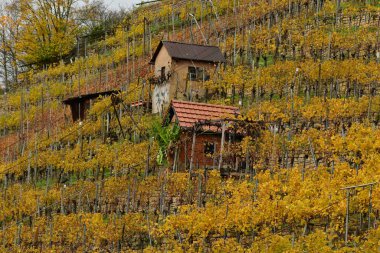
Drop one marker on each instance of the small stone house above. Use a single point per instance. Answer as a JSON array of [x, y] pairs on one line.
[[180, 72], [208, 137]]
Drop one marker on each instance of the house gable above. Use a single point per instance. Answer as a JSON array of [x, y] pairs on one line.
[[163, 59]]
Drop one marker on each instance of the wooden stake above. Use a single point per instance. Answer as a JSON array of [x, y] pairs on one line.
[[199, 190], [62, 205], [84, 237], [148, 159], [192, 150], [370, 206], [347, 215], [175, 159], [222, 146]]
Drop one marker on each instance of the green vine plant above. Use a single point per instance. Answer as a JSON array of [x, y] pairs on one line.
[[165, 136]]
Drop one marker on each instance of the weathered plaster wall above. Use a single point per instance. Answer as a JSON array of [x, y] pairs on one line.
[[177, 86], [183, 89], [160, 96]]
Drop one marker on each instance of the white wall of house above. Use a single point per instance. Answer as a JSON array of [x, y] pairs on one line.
[[161, 97], [161, 92]]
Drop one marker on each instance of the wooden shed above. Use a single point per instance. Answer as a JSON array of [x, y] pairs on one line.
[[79, 105], [193, 119]]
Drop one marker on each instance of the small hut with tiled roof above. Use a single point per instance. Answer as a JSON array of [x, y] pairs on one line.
[[196, 121]]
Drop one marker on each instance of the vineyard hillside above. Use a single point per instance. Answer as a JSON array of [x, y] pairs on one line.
[[190, 126]]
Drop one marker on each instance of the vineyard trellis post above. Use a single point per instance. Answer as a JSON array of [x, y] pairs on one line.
[[173, 35], [192, 149], [114, 101], [148, 157], [347, 215], [348, 193], [222, 146], [370, 206]]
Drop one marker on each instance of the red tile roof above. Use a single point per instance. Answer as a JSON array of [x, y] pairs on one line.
[[189, 113], [138, 103]]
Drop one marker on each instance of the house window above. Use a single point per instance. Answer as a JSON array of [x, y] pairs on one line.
[[197, 74], [163, 73], [192, 73], [209, 148]]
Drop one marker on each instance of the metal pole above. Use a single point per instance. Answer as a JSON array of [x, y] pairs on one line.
[[347, 215]]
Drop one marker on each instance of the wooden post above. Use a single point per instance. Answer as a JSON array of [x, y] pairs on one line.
[[199, 190], [38, 207], [127, 204], [95, 209], [347, 215], [51, 233], [348, 203], [118, 120], [128, 76], [47, 180], [18, 234], [148, 159], [173, 32], [62, 204], [29, 168], [134, 57], [107, 123], [175, 159], [370, 206], [149, 233], [186, 153], [79, 72], [193, 149], [303, 168], [144, 40], [312, 153], [84, 237], [5, 64], [222, 146], [214, 157], [247, 161]]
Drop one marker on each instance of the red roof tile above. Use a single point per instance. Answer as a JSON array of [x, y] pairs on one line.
[[189, 113], [138, 103]]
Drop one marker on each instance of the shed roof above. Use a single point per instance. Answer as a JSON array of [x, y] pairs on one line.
[[195, 52], [84, 97], [188, 113]]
